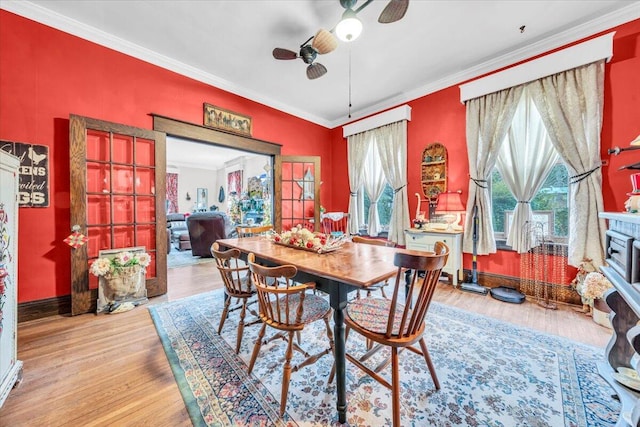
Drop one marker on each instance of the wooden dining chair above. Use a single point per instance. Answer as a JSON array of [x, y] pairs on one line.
[[244, 231], [237, 284], [335, 226], [285, 306], [390, 323], [376, 242]]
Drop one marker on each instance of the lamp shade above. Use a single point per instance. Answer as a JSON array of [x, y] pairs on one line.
[[324, 42], [448, 202], [349, 28]]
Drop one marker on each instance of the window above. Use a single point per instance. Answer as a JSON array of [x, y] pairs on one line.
[[550, 205], [385, 205], [529, 170]]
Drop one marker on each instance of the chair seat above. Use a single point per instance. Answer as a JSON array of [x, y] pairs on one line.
[[372, 314], [247, 286], [315, 307]]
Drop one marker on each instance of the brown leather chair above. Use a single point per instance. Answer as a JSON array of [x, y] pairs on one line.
[[204, 229]]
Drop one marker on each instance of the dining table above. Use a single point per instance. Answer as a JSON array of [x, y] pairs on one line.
[[337, 273]]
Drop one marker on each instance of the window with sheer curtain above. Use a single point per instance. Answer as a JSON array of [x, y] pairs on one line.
[[378, 167], [529, 173]]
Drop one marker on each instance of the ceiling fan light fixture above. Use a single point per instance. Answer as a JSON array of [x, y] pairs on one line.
[[349, 27], [324, 42]]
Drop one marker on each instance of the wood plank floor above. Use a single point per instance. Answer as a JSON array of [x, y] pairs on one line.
[[111, 370]]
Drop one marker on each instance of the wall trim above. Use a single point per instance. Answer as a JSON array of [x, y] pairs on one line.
[[557, 62], [602, 23], [391, 116]]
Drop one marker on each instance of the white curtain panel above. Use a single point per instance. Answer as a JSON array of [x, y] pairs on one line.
[[357, 147], [488, 119], [570, 104], [392, 148], [374, 184], [524, 161]]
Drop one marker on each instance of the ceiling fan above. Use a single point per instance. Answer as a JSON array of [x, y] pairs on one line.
[[348, 29]]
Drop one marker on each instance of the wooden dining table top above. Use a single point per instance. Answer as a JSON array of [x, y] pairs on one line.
[[359, 265]]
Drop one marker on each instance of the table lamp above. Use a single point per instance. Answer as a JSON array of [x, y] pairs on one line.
[[450, 206]]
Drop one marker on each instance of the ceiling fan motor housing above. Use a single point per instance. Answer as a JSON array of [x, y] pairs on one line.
[[308, 54]]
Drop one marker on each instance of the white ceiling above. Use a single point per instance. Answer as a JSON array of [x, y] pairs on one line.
[[229, 43], [183, 153]]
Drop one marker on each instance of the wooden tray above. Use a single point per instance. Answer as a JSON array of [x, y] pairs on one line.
[[323, 250]]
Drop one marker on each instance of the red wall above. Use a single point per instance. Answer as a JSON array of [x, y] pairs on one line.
[[45, 75], [441, 117]]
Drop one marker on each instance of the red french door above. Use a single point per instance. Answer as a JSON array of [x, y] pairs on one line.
[[117, 200], [297, 188]]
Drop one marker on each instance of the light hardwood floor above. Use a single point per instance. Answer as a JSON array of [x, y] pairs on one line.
[[111, 370]]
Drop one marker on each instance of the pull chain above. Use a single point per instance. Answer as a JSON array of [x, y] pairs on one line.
[[349, 82]]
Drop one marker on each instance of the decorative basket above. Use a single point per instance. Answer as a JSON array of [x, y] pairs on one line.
[[123, 281]]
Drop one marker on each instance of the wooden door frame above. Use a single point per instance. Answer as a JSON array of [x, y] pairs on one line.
[[83, 299], [216, 138]]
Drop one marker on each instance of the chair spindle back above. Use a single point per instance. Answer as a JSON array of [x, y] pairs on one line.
[[236, 283]]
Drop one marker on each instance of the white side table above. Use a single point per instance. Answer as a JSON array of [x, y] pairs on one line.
[[423, 240]]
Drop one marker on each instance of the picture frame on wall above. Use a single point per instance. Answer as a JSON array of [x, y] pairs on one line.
[[222, 119]]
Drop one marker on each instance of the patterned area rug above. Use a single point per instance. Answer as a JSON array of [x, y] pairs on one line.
[[491, 373], [177, 258]]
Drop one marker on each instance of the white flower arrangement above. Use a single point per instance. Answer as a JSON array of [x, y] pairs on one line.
[[300, 237], [595, 285], [110, 266]]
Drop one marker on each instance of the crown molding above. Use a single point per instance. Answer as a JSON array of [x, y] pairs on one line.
[[47, 17], [60, 22], [600, 24]]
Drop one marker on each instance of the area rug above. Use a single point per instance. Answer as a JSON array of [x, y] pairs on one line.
[[491, 373], [177, 258]]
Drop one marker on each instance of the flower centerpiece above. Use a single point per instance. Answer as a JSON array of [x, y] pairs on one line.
[[302, 238], [121, 271]]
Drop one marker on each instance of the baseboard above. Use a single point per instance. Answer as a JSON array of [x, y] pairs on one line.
[[566, 294], [44, 308]]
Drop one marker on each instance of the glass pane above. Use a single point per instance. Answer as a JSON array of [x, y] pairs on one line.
[[287, 171], [123, 210], [298, 170], [151, 269], [297, 190], [145, 152], [146, 236], [145, 181], [93, 280], [97, 145], [122, 179], [123, 149], [98, 177], [287, 209], [145, 209], [99, 239], [298, 210], [98, 209], [287, 189], [124, 236]]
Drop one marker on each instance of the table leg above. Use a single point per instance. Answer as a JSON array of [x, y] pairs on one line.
[[338, 300]]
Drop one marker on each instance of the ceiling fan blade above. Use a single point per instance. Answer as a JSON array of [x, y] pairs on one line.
[[394, 11], [316, 70], [280, 53], [324, 42]]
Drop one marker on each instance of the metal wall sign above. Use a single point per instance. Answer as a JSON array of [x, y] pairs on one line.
[[33, 185]]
